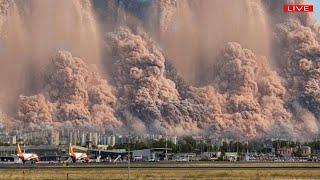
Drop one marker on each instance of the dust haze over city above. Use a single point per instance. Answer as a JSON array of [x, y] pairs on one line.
[[179, 67]]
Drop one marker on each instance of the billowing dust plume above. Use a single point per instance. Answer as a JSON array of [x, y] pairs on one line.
[[139, 75], [32, 31], [244, 93], [240, 68], [246, 90], [191, 31], [72, 93]]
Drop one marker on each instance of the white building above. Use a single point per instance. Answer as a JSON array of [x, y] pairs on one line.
[[111, 140], [95, 138], [173, 139], [14, 140], [55, 138], [83, 139], [231, 156]]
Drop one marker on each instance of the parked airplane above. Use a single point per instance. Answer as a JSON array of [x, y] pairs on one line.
[[83, 157], [26, 156]]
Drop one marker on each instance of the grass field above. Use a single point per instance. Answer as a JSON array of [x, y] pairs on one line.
[[170, 172], [158, 174]]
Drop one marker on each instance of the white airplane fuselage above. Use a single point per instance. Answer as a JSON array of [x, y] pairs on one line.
[[78, 157], [28, 157]]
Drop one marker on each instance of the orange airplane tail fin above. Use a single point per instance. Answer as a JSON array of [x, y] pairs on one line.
[[18, 150], [70, 149]]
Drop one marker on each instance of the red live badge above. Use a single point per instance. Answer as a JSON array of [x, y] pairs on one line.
[[297, 8]]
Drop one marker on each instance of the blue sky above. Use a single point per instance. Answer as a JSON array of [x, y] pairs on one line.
[[316, 6]]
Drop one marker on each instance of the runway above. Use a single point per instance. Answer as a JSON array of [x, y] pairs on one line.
[[168, 166], [206, 170]]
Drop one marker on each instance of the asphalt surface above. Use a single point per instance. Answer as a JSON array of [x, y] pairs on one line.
[[213, 166]]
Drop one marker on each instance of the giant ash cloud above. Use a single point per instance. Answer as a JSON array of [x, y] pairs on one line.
[[205, 67]]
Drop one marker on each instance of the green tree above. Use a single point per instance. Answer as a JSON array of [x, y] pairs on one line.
[[187, 144]]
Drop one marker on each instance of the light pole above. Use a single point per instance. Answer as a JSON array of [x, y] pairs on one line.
[[237, 145], [129, 157], [166, 148]]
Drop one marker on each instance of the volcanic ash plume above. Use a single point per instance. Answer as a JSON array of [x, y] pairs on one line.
[[243, 92], [72, 93], [145, 91], [34, 109], [6, 122], [300, 55], [254, 95], [192, 31], [68, 25], [162, 15], [234, 67], [12, 51], [297, 51], [149, 95], [32, 31], [139, 75]]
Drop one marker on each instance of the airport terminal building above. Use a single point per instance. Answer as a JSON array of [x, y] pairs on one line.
[[45, 152]]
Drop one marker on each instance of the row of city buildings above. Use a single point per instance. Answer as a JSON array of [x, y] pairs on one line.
[[76, 137]]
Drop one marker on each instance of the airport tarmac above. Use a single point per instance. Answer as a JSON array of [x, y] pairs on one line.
[[166, 165], [161, 170]]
